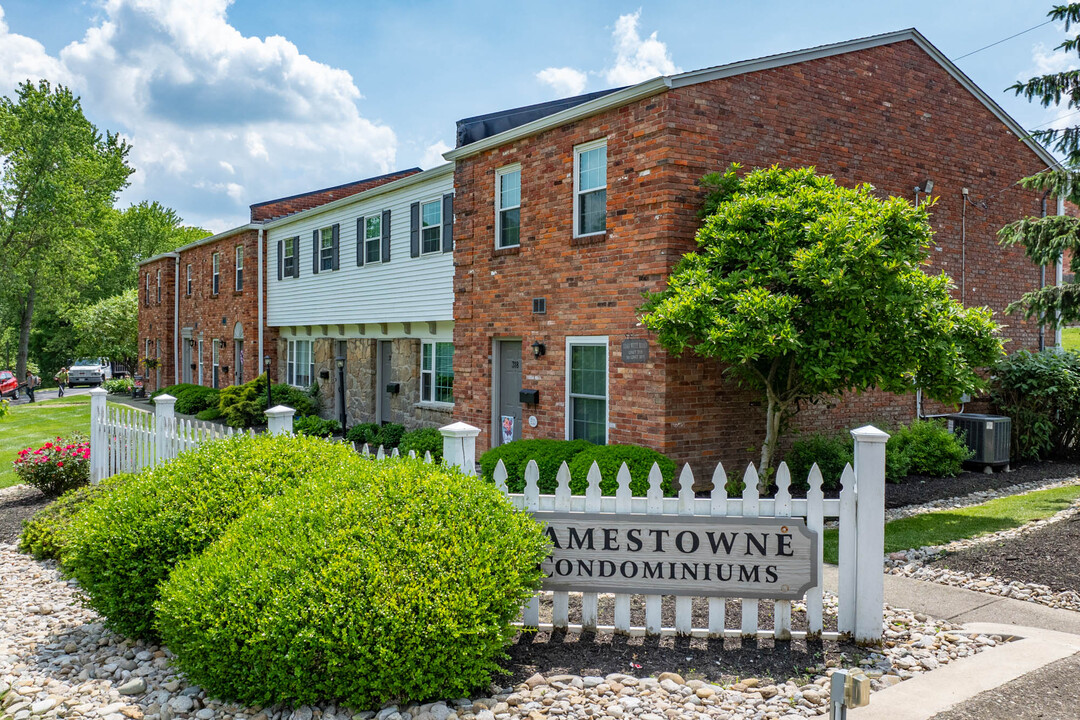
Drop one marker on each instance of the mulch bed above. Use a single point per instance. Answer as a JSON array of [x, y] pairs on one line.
[[916, 490], [17, 504], [1046, 556]]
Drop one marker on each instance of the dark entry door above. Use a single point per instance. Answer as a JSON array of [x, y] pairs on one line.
[[385, 363], [509, 418]]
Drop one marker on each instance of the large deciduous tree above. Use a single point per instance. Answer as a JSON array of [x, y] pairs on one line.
[[1047, 239], [805, 290], [110, 328], [58, 182]]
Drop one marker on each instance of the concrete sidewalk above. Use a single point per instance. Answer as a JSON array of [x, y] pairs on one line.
[[1008, 682]]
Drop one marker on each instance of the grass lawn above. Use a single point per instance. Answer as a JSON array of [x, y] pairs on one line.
[[938, 528], [1070, 338], [34, 424]]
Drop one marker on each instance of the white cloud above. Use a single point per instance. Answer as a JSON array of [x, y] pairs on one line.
[[637, 60], [23, 58], [433, 155], [1047, 61], [566, 81], [217, 120]]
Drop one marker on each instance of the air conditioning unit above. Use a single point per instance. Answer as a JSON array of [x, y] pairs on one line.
[[987, 435]]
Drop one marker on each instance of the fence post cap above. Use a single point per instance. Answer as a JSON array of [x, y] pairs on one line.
[[459, 429], [98, 391], [869, 434], [280, 411], [163, 399]]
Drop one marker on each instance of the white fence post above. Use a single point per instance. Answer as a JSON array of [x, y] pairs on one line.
[[164, 428], [279, 420], [98, 445], [870, 526], [459, 446]]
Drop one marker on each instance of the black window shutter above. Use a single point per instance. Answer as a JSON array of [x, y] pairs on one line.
[[386, 236], [315, 252], [414, 230], [448, 222], [296, 257], [360, 241], [337, 244], [280, 259]]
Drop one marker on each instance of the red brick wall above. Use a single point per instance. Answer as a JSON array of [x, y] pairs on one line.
[[289, 205], [889, 116], [156, 319]]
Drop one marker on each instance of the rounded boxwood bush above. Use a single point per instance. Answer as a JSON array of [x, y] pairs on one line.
[[43, 534], [389, 436], [609, 458], [196, 398], [925, 447], [548, 454], [126, 542], [397, 583], [363, 433], [830, 452], [422, 441]]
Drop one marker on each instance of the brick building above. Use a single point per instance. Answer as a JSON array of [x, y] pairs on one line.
[[567, 212], [202, 307]]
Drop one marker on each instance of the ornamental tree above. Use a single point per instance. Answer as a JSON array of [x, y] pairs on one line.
[[804, 290]]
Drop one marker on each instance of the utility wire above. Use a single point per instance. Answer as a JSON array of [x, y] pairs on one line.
[[1033, 27], [1074, 112]]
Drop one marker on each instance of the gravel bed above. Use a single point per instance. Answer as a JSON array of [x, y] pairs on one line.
[[18, 503], [57, 660]]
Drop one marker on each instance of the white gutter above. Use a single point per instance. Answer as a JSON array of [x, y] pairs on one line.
[[259, 358], [204, 241]]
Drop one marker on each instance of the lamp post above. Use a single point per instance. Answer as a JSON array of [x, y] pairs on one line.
[[266, 364]]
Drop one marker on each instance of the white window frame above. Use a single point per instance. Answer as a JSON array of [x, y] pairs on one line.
[[189, 279], [158, 287], [214, 367], [147, 353], [578, 150], [291, 363], [238, 283], [434, 343], [326, 252], [499, 210], [377, 240], [286, 256], [200, 361], [597, 340], [215, 274], [439, 201], [147, 297]]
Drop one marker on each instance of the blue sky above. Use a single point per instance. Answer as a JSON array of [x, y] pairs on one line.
[[230, 103]]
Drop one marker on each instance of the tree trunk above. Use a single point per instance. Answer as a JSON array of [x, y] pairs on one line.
[[773, 414], [24, 335]]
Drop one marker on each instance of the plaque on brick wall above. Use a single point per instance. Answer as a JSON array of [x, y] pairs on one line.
[[635, 350]]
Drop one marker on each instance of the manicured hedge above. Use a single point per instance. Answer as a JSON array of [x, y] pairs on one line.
[[363, 433], [196, 398], [126, 542], [609, 458], [422, 441], [397, 583], [548, 454], [316, 427], [173, 390], [389, 436], [43, 534]]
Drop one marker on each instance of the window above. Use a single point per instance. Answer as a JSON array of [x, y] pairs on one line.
[[239, 268], [431, 226], [146, 354], [326, 249], [159, 287], [437, 372], [289, 263], [590, 189], [301, 367], [216, 275], [372, 238], [508, 207], [189, 279], [587, 389], [146, 296], [214, 376]]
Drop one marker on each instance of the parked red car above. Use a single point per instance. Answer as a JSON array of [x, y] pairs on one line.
[[9, 386]]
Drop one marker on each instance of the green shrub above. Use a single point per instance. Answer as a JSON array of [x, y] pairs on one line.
[[316, 427], [389, 436], [609, 458], [422, 441], [124, 543], [1041, 393], [925, 447], [245, 405], [43, 534], [209, 414], [195, 399], [116, 386], [173, 390], [363, 433], [831, 452], [380, 585], [548, 454]]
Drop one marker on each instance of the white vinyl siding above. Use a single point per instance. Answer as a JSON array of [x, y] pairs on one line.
[[437, 372], [587, 389], [508, 207], [590, 188], [301, 365], [405, 289], [239, 268]]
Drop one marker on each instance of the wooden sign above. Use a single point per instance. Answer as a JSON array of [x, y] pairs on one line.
[[700, 556], [635, 350]]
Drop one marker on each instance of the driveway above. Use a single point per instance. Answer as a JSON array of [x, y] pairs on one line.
[[49, 394]]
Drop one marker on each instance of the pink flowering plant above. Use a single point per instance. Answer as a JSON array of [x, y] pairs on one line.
[[56, 467]]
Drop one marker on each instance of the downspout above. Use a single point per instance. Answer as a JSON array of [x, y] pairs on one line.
[[262, 317], [1058, 278], [176, 318]]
